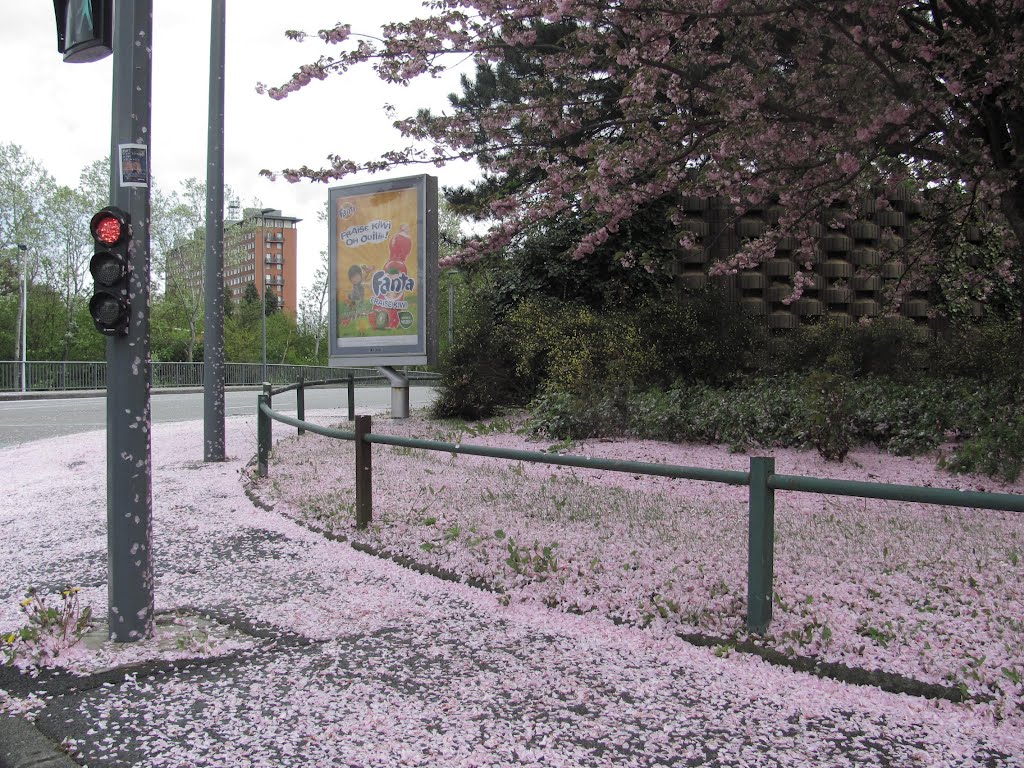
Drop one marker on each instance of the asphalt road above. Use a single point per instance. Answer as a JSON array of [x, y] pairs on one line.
[[22, 421]]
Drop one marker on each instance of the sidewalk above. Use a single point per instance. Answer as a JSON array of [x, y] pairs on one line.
[[280, 648]]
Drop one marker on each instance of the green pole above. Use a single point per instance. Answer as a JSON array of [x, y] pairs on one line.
[[364, 474], [761, 545], [130, 576], [351, 397]]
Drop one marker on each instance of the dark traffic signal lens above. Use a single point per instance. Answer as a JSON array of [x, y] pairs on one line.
[[107, 269]]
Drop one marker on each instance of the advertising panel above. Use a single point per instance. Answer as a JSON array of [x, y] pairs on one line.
[[383, 272]]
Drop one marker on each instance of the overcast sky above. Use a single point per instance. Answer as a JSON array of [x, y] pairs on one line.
[[60, 113]]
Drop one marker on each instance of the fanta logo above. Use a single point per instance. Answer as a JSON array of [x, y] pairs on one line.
[[394, 283], [346, 211]]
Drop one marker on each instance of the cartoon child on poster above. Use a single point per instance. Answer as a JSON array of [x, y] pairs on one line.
[[358, 274]]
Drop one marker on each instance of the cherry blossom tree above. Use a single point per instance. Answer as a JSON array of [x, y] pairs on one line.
[[830, 110]]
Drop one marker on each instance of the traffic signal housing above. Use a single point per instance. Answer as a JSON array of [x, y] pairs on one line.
[[85, 29], [111, 269]]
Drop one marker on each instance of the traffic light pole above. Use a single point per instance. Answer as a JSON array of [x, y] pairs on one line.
[[129, 456]]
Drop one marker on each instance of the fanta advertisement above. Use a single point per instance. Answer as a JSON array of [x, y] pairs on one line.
[[377, 268]]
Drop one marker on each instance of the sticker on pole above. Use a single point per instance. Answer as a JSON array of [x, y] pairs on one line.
[[133, 165]]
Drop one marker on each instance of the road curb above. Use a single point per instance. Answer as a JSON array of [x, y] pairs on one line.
[[22, 745]]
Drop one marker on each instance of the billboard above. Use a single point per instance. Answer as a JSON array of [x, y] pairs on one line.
[[383, 272]]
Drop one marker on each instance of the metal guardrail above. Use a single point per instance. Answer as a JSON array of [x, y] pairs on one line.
[[761, 479], [45, 375]]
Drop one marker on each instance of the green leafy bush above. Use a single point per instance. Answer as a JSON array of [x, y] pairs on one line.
[[994, 442], [601, 412], [996, 450], [702, 337], [888, 346], [829, 413], [693, 367], [987, 350], [478, 372], [822, 410]]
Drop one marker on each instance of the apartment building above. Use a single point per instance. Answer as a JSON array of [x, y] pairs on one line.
[[261, 248]]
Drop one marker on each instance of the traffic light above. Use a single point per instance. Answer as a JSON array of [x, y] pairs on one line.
[[111, 268], [85, 29]]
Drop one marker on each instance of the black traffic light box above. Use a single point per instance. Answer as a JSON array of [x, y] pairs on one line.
[[85, 29], [111, 269]]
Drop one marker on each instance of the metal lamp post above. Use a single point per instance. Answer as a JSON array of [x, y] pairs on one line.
[[213, 287], [263, 316]]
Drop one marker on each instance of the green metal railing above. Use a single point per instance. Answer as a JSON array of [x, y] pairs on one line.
[[300, 387], [49, 375], [761, 479]]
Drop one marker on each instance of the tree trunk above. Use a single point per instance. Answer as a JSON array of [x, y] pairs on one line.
[[191, 347], [1012, 204]]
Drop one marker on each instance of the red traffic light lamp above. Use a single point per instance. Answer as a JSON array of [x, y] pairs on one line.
[[111, 269]]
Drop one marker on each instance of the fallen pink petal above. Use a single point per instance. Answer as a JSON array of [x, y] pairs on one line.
[[300, 650]]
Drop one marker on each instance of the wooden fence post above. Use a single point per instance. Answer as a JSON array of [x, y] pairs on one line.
[[364, 474], [263, 435]]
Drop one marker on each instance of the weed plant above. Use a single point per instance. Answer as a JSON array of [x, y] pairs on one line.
[[50, 628]]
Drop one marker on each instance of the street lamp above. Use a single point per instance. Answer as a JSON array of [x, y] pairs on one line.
[[24, 312], [263, 317]]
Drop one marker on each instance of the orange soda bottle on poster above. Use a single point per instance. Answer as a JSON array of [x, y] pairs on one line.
[[399, 249]]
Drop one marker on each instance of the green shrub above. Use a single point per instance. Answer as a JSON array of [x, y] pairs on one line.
[[703, 337], [994, 429], [888, 346], [997, 450], [566, 415], [828, 409], [987, 350], [556, 414], [693, 367], [478, 372], [825, 411], [570, 347]]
